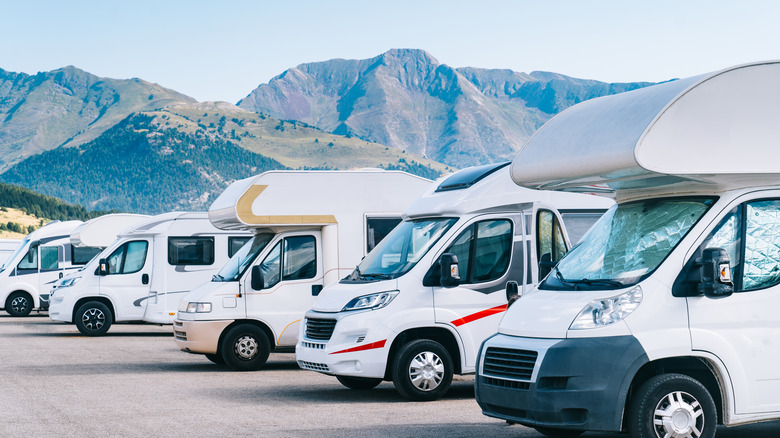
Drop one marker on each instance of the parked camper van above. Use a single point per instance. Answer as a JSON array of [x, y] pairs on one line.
[[664, 320], [310, 229], [88, 240], [144, 273], [39, 260], [417, 307]]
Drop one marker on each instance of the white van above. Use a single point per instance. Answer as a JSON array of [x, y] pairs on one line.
[[88, 240], [40, 259], [311, 228], [417, 307], [664, 320], [144, 273]]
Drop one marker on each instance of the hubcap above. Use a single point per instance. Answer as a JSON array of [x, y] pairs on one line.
[[246, 347], [93, 319], [19, 304], [426, 371], [678, 414]]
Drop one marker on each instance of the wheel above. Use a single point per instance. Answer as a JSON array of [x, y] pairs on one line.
[[672, 405], [422, 370], [19, 304], [360, 383], [558, 433], [93, 318], [216, 358], [245, 347]]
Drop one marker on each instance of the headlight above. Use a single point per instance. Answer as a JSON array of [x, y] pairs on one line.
[[198, 307], [373, 301], [600, 313], [67, 282]]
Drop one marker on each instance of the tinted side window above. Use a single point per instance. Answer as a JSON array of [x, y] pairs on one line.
[[30, 260], [461, 247], [128, 258], [271, 267], [377, 229], [235, 243], [191, 250], [300, 258], [50, 258], [549, 236], [81, 255], [483, 251]]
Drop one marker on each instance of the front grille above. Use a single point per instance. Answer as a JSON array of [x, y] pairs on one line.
[[319, 329], [313, 366], [508, 362], [313, 345], [513, 384]]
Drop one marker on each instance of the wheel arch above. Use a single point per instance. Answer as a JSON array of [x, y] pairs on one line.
[[439, 334], [259, 324], [697, 368], [104, 300]]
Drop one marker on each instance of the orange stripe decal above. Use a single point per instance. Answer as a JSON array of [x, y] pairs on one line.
[[370, 346], [479, 315]]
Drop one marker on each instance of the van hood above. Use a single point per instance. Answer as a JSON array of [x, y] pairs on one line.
[[335, 296], [207, 291]]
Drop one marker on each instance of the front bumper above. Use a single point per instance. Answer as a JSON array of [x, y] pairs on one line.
[[577, 384], [358, 346], [61, 307], [199, 336]]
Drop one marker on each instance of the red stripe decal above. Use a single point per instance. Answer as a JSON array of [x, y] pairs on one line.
[[479, 315], [370, 346]]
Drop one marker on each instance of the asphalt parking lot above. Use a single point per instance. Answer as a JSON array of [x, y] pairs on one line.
[[135, 383]]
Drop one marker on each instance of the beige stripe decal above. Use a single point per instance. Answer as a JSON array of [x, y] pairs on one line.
[[244, 212]]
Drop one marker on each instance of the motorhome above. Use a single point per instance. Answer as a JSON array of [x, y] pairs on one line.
[[142, 275], [416, 309], [88, 240], [664, 320], [310, 229], [38, 261]]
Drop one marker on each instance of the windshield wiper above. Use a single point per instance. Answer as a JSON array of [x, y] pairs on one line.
[[560, 278], [377, 276], [217, 276], [590, 281]]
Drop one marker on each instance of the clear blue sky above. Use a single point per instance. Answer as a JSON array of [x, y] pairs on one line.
[[221, 50]]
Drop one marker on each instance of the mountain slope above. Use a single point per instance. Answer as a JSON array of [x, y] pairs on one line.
[[67, 106], [406, 99]]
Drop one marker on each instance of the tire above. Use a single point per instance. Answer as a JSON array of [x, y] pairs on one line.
[[19, 304], [677, 403], [245, 347], [216, 358], [359, 383], [422, 370], [93, 318], [551, 432]]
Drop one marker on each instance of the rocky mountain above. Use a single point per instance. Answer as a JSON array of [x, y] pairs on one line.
[[68, 107], [406, 99]]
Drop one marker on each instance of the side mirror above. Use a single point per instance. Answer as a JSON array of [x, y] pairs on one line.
[[102, 267], [546, 264], [512, 292], [257, 281], [450, 276], [716, 279]]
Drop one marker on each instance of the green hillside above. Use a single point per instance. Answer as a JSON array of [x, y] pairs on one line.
[[42, 206]]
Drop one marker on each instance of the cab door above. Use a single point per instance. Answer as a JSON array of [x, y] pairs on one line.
[[292, 274], [51, 266], [743, 329], [127, 281], [490, 252]]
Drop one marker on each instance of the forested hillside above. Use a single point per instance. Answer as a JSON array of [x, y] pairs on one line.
[[42, 206]]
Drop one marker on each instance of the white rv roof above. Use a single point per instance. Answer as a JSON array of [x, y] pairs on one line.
[[101, 232], [718, 129], [305, 198], [495, 190], [53, 229], [162, 222]]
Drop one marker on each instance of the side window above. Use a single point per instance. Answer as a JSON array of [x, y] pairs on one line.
[[191, 250], [271, 267], [377, 229], [30, 260], [483, 251], [50, 258], [300, 258], [81, 255], [762, 254], [128, 258], [549, 236], [235, 243], [728, 235]]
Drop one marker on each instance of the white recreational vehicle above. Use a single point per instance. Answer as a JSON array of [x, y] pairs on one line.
[[40, 259], [664, 320], [417, 307], [142, 275], [310, 229], [88, 240]]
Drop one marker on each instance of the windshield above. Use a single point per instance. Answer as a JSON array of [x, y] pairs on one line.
[[235, 267], [21, 247], [397, 253], [627, 244]]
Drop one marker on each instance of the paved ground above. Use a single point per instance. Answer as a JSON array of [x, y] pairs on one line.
[[135, 383]]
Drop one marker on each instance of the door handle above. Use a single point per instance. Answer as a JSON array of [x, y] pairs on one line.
[[145, 279]]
